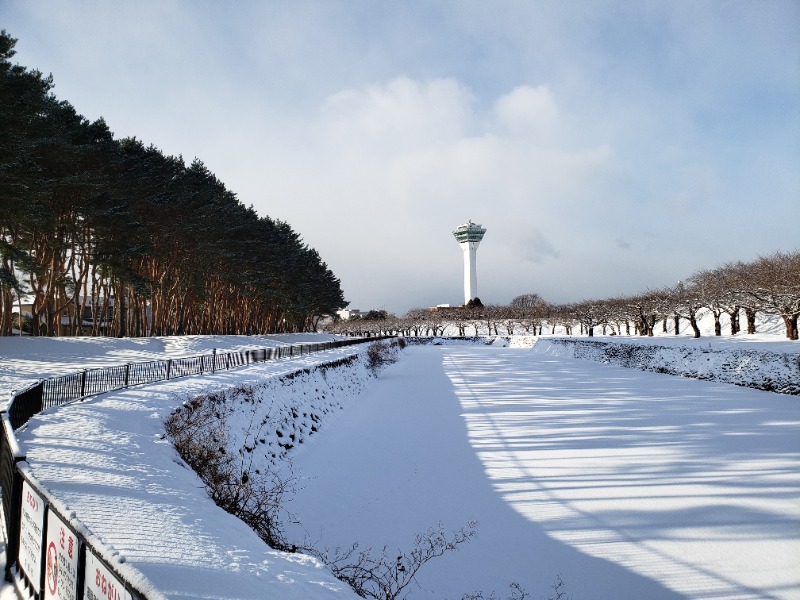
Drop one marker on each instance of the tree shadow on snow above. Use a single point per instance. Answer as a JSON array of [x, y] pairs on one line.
[[664, 481]]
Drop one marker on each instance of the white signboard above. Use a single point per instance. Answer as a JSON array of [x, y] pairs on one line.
[[31, 528], [100, 583], [61, 561]]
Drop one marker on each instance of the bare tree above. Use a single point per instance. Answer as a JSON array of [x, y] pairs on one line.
[[528, 310], [715, 292], [590, 314], [773, 285], [647, 308], [685, 302], [620, 313]]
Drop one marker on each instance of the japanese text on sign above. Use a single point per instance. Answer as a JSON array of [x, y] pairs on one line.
[[61, 561], [30, 534], [100, 583]]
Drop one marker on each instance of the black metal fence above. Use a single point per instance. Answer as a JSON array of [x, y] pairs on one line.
[[66, 388]]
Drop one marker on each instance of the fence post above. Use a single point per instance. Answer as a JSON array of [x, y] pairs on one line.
[[169, 366], [12, 520], [83, 384], [12, 497], [127, 372], [213, 361]]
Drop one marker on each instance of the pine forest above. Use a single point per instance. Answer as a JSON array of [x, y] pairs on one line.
[[100, 236]]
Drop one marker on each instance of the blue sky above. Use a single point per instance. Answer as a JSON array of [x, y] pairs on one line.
[[607, 147]]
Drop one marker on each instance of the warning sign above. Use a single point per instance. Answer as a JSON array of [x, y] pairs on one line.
[[61, 561], [30, 534], [102, 584]]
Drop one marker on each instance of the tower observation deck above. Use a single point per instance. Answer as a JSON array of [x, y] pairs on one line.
[[469, 235]]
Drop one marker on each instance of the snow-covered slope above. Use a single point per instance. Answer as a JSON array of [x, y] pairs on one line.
[[756, 367], [107, 462]]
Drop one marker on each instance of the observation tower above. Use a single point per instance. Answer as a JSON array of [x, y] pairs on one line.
[[469, 235]]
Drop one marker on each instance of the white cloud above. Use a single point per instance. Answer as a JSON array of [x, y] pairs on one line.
[[529, 111], [400, 114]]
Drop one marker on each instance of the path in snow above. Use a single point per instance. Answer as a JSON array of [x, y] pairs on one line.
[[629, 484]]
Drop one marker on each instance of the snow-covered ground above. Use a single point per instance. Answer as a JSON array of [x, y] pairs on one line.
[[761, 368], [24, 360], [628, 484]]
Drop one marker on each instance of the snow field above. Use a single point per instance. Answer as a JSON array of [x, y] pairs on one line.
[[628, 484]]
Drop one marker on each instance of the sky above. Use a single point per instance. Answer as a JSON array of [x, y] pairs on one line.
[[608, 147]]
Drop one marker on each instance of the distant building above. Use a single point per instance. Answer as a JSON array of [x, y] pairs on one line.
[[349, 313], [469, 235]]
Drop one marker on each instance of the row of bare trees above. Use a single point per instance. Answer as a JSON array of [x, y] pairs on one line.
[[110, 237], [769, 285]]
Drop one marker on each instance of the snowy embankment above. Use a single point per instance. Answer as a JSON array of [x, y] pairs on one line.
[[760, 368], [265, 420], [106, 463]]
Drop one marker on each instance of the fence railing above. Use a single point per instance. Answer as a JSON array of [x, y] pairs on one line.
[[34, 560]]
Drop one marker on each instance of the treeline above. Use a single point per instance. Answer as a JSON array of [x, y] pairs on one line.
[[111, 237], [769, 285]]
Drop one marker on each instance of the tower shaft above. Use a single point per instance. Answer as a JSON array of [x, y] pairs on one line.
[[470, 271]]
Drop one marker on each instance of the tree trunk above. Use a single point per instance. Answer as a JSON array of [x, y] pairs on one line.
[[677, 324], [734, 315], [791, 326], [8, 306], [750, 315], [693, 323]]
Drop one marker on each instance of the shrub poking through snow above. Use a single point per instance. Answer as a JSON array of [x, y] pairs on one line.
[[520, 593], [381, 354], [384, 576], [201, 435], [517, 593]]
